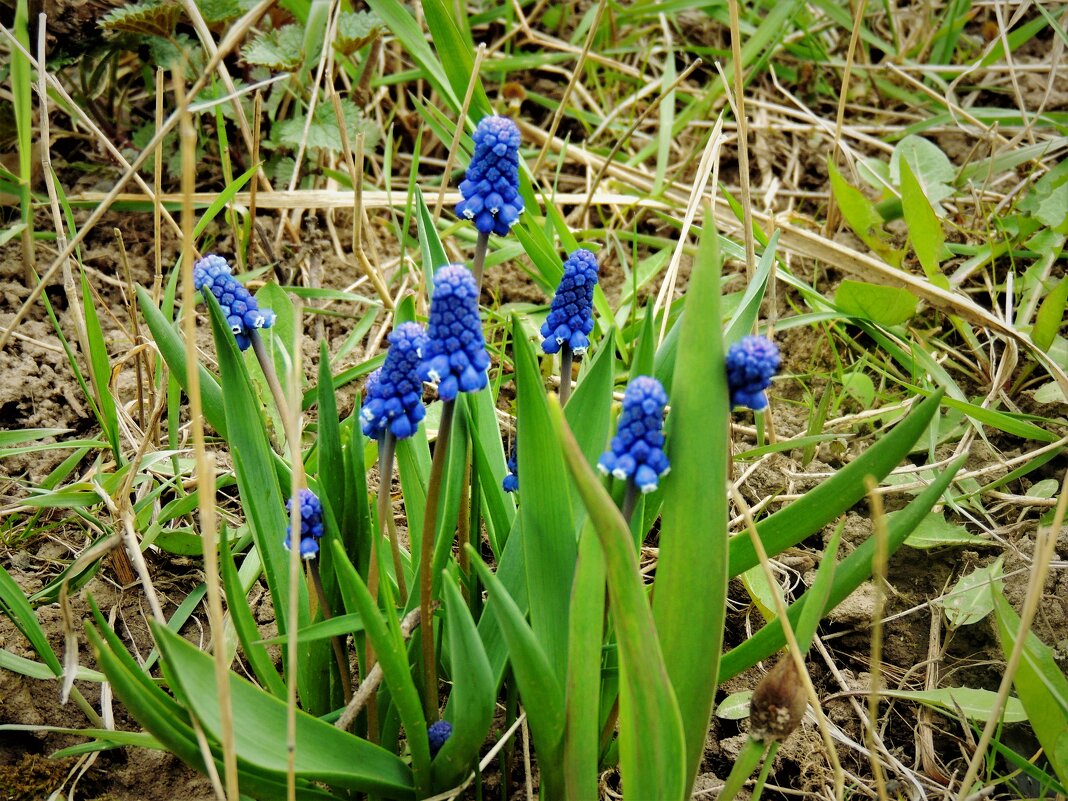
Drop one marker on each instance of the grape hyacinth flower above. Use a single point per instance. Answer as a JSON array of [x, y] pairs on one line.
[[243, 314], [490, 188], [570, 317], [454, 353], [311, 523], [637, 449], [395, 395], [510, 483], [438, 733], [751, 363]]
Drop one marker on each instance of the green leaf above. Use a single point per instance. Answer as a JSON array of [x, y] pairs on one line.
[[172, 348], [248, 633], [392, 654], [280, 49], [356, 29], [886, 305], [934, 531], [925, 229], [100, 369], [546, 509], [853, 570], [973, 703], [324, 133], [433, 252], [543, 699], [14, 604], [820, 590], [456, 54], [735, 706], [862, 216], [472, 701], [1050, 316], [583, 689], [861, 387], [652, 746], [933, 169], [970, 600], [324, 753], [1042, 688], [689, 603], [143, 19], [745, 316]]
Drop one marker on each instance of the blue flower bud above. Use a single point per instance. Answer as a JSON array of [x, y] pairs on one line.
[[395, 395], [438, 733], [454, 353], [311, 523], [242, 312], [751, 364], [637, 449], [490, 188], [570, 317], [510, 483]]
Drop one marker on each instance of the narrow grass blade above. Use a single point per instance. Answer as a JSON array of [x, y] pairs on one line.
[[652, 751], [14, 604], [248, 634], [745, 316], [456, 53], [100, 370], [691, 577], [848, 575]]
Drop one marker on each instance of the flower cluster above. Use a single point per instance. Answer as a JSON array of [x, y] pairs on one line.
[[637, 449], [570, 317], [311, 523], [243, 314], [395, 395], [454, 353], [438, 733], [751, 363], [491, 186], [510, 483]]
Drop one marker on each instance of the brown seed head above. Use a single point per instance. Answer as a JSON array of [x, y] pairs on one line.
[[778, 703]]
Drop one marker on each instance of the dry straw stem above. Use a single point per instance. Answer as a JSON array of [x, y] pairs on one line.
[[454, 146], [1045, 543], [792, 644], [205, 463], [233, 37], [737, 103]]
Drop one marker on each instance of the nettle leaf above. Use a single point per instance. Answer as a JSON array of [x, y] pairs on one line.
[[143, 19], [323, 133], [280, 49], [355, 29], [886, 305], [931, 166]]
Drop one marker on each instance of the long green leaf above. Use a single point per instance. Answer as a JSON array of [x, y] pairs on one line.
[[545, 511], [14, 604], [690, 600], [324, 753], [248, 633], [848, 575], [100, 370], [652, 751]]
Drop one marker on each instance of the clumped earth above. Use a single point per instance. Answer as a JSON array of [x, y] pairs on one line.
[[39, 390]]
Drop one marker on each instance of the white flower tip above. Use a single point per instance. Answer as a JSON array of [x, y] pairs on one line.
[[647, 488], [433, 376], [620, 474], [469, 214]]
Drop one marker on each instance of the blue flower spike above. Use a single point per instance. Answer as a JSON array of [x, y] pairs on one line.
[[510, 483], [311, 524], [490, 188], [637, 449], [570, 317], [243, 313], [438, 733], [454, 353], [394, 391], [751, 364]]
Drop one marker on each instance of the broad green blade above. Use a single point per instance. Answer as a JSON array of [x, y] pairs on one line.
[[652, 752], [690, 598], [248, 633]]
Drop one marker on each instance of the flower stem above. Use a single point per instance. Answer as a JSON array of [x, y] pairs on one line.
[[385, 514], [479, 264], [267, 365], [630, 500], [463, 528], [565, 373], [336, 641], [426, 556]]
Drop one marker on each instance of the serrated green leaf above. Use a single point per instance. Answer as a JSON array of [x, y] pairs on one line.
[[355, 29], [278, 49], [143, 19], [886, 305], [323, 133]]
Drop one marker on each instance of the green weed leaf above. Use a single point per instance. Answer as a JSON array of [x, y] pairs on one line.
[[886, 305]]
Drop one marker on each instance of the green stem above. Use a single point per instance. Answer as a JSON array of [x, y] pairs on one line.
[[385, 514], [744, 765], [479, 264], [267, 365], [426, 556], [566, 355], [630, 500]]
